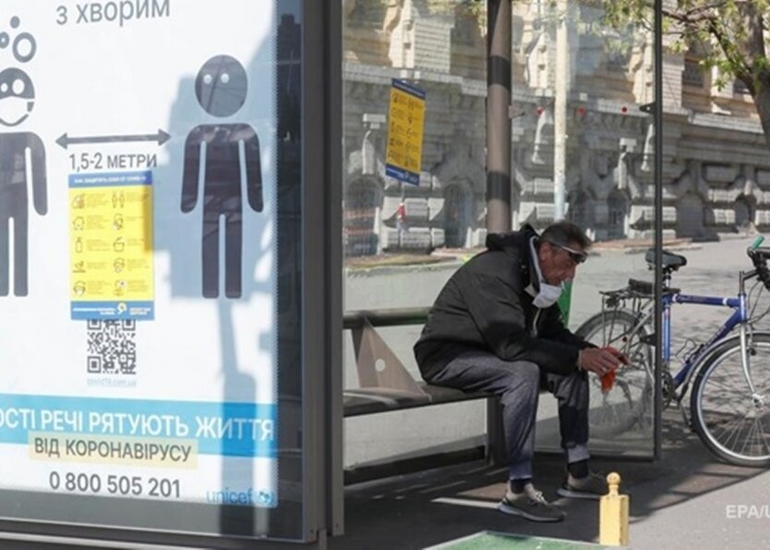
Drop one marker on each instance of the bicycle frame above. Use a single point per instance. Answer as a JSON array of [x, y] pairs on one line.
[[739, 318]]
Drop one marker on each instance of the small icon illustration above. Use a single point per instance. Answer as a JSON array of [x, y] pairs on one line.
[[24, 45], [79, 288], [79, 267], [119, 245], [122, 308], [79, 223], [120, 288], [18, 94], [79, 201], [117, 222], [221, 88], [118, 199], [79, 245], [23, 163], [119, 265]]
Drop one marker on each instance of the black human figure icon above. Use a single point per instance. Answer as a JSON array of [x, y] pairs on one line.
[[17, 98], [221, 87]]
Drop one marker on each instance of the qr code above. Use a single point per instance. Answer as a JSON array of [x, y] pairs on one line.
[[112, 347]]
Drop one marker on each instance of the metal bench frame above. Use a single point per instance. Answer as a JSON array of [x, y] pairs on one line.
[[386, 385]]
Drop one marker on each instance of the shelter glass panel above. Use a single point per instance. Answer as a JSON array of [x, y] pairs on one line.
[[410, 218], [583, 150]]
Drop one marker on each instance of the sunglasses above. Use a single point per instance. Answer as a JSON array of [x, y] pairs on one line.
[[574, 255]]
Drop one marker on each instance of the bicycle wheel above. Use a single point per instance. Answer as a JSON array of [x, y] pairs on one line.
[[624, 406], [731, 422]]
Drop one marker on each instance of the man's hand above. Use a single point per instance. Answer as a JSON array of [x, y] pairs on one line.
[[601, 360], [622, 357]]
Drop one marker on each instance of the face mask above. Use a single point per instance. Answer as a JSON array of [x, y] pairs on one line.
[[13, 110], [548, 295]]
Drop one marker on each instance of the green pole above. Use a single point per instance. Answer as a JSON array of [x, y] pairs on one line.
[[564, 302]]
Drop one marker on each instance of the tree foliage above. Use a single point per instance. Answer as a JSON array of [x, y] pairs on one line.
[[731, 35]]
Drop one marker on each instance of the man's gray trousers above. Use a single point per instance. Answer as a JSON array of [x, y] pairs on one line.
[[518, 384]]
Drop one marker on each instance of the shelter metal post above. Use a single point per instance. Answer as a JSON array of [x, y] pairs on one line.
[[498, 163]]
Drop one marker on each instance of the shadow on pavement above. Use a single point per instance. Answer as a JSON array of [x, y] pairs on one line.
[[441, 505]]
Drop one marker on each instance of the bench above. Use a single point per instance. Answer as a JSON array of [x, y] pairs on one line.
[[386, 385]]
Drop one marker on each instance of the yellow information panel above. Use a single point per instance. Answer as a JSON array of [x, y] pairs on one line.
[[406, 120], [111, 246]]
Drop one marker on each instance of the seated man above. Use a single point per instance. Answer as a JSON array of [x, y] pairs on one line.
[[496, 327]]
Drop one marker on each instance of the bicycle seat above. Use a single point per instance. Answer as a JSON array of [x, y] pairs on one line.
[[670, 260]]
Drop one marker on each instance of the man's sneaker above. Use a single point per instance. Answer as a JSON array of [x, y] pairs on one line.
[[530, 504], [592, 487]]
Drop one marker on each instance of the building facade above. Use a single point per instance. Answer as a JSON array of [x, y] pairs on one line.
[[716, 165]]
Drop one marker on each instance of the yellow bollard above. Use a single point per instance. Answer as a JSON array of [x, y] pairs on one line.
[[613, 515]]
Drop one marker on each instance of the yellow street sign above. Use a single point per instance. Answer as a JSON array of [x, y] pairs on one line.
[[406, 119]]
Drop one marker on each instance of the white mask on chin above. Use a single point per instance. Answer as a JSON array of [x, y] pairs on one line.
[[548, 294]]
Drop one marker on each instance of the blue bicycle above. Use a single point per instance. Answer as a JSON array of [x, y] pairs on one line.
[[729, 373]]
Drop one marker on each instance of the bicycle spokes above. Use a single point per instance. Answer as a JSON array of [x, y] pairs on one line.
[[732, 420]]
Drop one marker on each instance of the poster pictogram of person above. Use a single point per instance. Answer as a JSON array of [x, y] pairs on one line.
[[17, 99], [221, 88]]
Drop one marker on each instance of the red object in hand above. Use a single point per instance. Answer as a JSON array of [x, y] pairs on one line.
[[608, 380]]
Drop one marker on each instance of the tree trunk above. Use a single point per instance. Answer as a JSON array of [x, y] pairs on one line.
[[755, 58], [761, 97]]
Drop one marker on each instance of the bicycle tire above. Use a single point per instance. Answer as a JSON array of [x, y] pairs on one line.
[[625, 405], [710, 381]]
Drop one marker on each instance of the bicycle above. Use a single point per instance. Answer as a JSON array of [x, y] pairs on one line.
[[730, 380]]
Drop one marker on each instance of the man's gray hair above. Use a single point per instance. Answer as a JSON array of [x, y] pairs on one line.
[[563, 233]]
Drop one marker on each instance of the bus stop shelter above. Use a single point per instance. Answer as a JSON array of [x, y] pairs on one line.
[[174, 314]]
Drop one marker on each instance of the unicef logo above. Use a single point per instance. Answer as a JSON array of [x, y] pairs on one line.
[[265, 498]]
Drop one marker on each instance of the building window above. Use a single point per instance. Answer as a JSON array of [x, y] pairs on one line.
[[617, 206], [617, 61], [693, 73], [739, 87], [362, 200], [581, 210], [689, 216], [458, 216], [745, 209]]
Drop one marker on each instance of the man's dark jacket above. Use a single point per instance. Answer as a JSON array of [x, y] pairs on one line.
[[485, 306]]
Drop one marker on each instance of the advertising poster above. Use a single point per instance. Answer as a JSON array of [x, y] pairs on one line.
[[138, 231]]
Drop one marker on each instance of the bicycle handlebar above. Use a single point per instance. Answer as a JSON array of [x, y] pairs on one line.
[[759, 257]]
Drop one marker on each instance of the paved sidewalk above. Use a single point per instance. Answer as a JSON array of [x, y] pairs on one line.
[[686, 500]]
